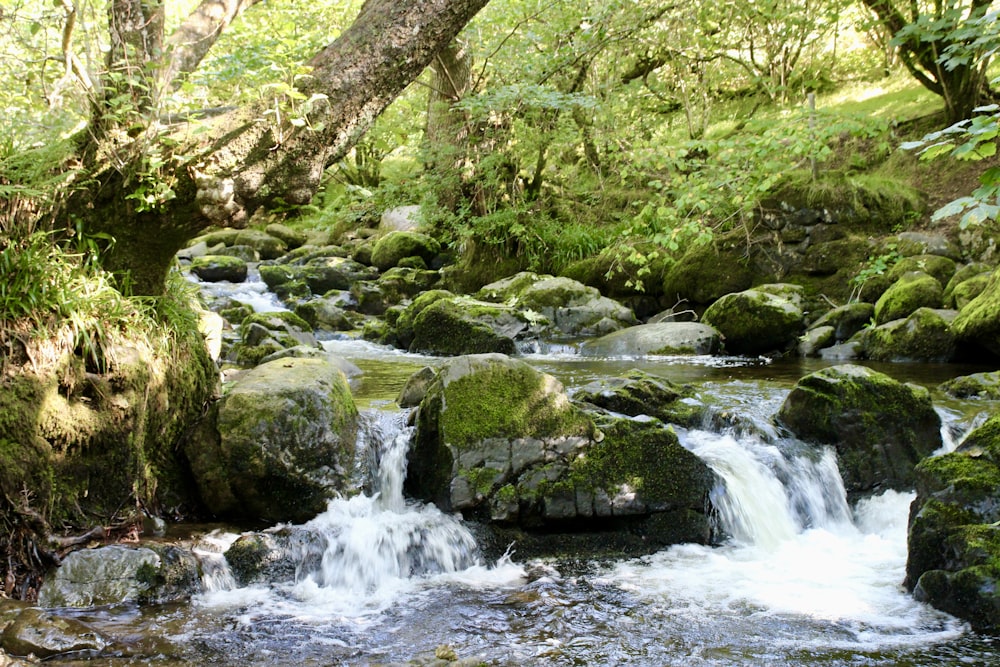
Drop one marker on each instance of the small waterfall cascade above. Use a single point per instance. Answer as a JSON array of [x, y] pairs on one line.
[[364, 549], [771, 490], [374, 540]]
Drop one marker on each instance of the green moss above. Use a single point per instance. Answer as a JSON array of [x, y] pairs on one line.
[[449, 327], [941, 268], [912, 291], [754, 322], [503, 401], [708, 271], [923, 336], [394, 246], [979, 321]]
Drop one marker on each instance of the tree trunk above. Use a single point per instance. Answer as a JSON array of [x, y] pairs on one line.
[[446, 137], [252, 159]]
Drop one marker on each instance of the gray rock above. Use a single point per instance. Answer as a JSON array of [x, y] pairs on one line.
[[880, 428], [665, 338], [44, 635]]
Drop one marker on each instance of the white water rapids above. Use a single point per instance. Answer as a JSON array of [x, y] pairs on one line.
[[802, 574]]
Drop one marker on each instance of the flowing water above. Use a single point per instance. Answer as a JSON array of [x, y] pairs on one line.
[[805, 579]]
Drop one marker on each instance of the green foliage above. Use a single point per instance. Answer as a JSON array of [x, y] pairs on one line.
[[972, 139], [877, 265]]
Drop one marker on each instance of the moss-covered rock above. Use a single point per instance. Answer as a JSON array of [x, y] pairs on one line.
[[911, 244], [266, 245], [44, 635], [816, 339], [978, 323], [324, 314], [626, 270], [706, 272], [880, 428], [962, 274], [285, 443], [911, 291], [977, 385], [639, 393], [275, 556], [262, 334], [923, 336], [953, 559], [846, 320], [663, 338], [459, 325], [941, 268], [572, 307], [754, 322], [396, 245], [503, 443], [292, 238], [403, 324], [967, 290], [215, 268]]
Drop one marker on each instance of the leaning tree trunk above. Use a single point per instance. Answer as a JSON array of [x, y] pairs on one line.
[[252, 159]]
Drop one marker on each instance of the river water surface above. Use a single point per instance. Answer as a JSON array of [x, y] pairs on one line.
[[805, 579]]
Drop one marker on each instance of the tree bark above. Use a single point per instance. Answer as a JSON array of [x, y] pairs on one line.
[[254, 159]]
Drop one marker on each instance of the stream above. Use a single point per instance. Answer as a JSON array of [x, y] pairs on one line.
[[805, 579]]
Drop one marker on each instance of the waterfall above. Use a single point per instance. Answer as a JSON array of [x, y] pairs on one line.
[[377, 544]]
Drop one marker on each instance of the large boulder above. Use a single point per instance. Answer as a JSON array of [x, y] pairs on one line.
[[978, 323], [940, 268], [977, 385], [454, 326], [397, 245], [283, 445], [881, 428], [846, 320], [911, 291], [923, 336], [664, 338], [151, 574], [572, 307], [755, 321], [706, 272], [215, 268], [953, 559], [639, 393], [503, 443], [267, 246]]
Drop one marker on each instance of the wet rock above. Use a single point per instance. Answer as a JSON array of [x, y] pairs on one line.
[[215, 268], [911, 291], [394, 246], [454, 326], [846, 320], [953, 544], [842, 352], [266, 333], [115, 574], [416, 386], [923, 336], [817, 338], [284, 443], [275, 556], [977, 385], [44, 635], [572, 307], [755, 322], [664, 338], [503, 443], [880, 428], [639, 393]]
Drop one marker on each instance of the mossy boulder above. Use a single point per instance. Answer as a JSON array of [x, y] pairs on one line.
[[941, 268], [881, 428], [324, 314], [275, 556], [953, 545], [215, 268], [625, 270], [639, 393], [978, 323], [266, 245], [755, 322], [706, 272], [459, 325], [284, 443], [816, 339], [403, 325], [503, 443], [393, 287], [396, 245], [572, 307], [977, 385], [262, 334], [967, 290], [150, 574], [846, 320], [925, 335], [911, 291], [962, 274], [292, 238], [664, 338]]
